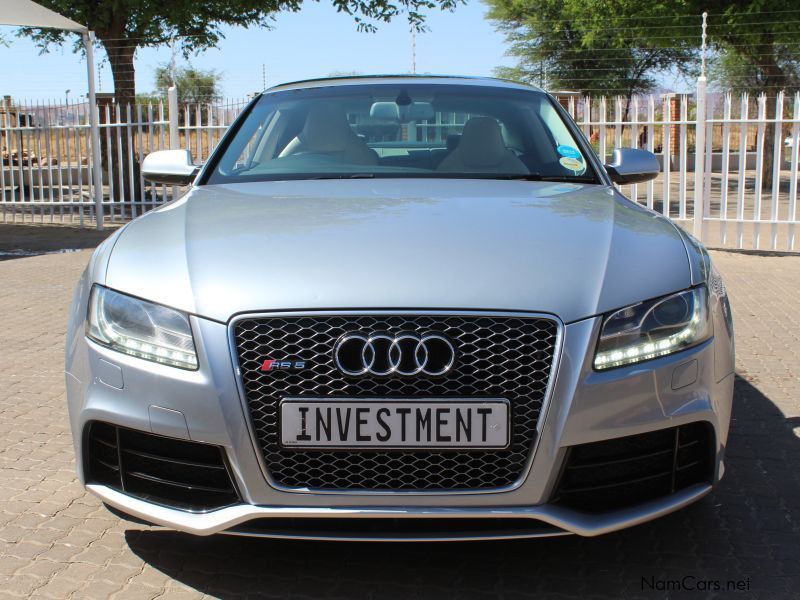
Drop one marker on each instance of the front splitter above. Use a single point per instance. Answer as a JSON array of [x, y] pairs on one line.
[[563, 520]]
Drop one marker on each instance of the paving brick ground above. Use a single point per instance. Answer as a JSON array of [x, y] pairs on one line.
[[57, 541]]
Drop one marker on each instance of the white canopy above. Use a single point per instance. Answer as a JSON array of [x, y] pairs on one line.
[[29, 14], [25, 13]]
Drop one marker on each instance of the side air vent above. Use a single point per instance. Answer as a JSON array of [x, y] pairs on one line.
[[622, 472], [176, 473]]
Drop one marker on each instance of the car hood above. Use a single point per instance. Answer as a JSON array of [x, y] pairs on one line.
[[567, 249]]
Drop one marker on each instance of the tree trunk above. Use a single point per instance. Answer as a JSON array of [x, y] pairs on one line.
[[120, 54], [120, 57], [769, 142], [773, 82], [626, 115]]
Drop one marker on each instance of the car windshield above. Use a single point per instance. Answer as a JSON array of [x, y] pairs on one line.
[[402, 129]]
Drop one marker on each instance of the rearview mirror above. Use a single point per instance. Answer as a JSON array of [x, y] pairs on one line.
[[173, 167], [631, 165]]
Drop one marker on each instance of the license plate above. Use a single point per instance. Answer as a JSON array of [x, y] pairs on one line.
[[386, 423]]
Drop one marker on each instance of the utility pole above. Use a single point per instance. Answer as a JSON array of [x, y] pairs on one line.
[[263, 76], [413, 50]]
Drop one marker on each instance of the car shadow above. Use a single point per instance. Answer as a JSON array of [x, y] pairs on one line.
[[33, 239], [743, 540]]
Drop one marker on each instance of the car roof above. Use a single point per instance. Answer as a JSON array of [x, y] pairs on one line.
[[421, 79]]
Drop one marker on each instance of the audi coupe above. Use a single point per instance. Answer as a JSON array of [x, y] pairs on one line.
[[400, 308]]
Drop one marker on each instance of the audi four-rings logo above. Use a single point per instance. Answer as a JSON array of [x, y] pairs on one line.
[[385, 354]]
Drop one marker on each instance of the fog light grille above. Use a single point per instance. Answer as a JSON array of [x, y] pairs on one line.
[[176, 473], [622, 472]]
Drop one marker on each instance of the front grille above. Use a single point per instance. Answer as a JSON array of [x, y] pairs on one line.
[[507, 357], [176, 473], [625, 471]]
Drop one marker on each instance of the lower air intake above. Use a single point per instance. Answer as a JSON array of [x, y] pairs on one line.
[[626, 471], [176, 473]]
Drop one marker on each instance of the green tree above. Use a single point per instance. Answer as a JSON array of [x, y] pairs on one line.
[[591, 46], [149, 98], [616, 46], [733, 72], [194, 86], [756, 51], [755, 44], [123, 26]]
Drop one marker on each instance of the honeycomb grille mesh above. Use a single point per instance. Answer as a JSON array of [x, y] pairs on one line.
[[508, 357]]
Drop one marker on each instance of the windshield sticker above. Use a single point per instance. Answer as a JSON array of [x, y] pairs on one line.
[[569, 152], [573, 164]]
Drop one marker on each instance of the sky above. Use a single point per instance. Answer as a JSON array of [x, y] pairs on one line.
[[315, 42]]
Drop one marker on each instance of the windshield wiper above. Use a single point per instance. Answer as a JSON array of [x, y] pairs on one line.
[[344, 176], [556, 178]]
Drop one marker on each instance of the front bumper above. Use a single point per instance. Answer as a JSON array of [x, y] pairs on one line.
[[561, 521], [584, 406]]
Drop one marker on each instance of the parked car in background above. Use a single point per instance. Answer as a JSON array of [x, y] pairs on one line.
[[400, 308]]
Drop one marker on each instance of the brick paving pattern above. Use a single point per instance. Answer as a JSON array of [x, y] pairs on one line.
[[57, 541]]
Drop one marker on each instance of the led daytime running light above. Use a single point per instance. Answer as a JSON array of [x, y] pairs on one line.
[[650, 349], [113, 334]]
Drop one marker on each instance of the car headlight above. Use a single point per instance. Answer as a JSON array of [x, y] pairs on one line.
[[653, 328], [140, 328]]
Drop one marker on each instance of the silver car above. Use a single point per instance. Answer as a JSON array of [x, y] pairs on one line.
[[400, 308]]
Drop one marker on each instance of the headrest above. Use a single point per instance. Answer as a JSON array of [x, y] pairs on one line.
[[326, 129], [385, 111], [482, 143], [420, 111]]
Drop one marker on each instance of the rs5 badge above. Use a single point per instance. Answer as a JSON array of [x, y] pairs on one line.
[[282, 365]]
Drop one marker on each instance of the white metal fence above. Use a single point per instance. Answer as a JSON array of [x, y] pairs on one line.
[[45, 156], [715, 159], [748, 195]]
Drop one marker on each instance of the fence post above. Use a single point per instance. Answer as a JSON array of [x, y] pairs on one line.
[[172, 111], [94, 124], [700, 146], [700, 159]]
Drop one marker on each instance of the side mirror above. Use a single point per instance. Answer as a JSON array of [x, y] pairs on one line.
[[631, 165], [173, 167]]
